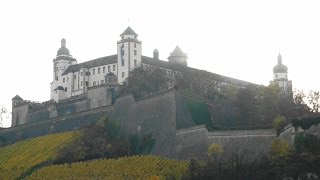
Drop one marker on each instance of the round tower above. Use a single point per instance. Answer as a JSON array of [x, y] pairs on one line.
[[178, 57]]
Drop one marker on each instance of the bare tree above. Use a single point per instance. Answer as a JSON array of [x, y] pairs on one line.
[[3, 114]]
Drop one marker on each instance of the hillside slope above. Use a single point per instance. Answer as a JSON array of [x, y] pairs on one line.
[[19, 159], [134, 167]]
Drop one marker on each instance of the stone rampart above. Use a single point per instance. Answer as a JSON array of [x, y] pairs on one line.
[[248, 145]]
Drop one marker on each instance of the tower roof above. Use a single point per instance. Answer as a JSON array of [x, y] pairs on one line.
[[63, 50], [178, 52], [17, 97], [128, 31], [280, 68]]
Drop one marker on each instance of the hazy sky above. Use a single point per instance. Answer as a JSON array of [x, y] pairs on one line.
[[240, 39]]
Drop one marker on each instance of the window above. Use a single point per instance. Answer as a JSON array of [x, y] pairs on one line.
[[65, 89], [74, 76], [88, 73], [122, 52], [122, 45], [135, 37], [135, 45], [81, 83], [122, 74], [114, 67], [81, 74], [122, 61], [103, 69], [87, 83], [56, 78], [135, 52], [122, 37], [94, 83], [135, 62], [101, 82], [98, 70], [108, 68], [63, 80], [93, 71]]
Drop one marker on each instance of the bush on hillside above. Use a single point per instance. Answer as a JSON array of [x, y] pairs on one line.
[[95, 141]]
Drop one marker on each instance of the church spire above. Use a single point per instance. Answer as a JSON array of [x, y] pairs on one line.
[[279, 58]]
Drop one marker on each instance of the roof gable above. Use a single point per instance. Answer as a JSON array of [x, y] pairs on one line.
[[128, 31]]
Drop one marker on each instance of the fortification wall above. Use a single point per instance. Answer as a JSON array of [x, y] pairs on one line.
[[55, 125], [248, 145], [156, 115], [30, 112]]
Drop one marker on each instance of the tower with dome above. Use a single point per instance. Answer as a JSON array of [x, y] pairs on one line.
[[280, 76]]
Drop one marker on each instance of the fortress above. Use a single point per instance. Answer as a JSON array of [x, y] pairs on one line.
[[83, 93]]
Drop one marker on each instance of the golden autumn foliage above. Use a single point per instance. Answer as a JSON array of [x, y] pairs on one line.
[[134, 167], [21, 157], [280, 149], [215, 150]]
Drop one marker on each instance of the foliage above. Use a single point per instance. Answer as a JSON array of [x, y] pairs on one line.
[[19, 158], [215, 150], [314, 101], [296, 166], [199, 112], [304, 142], [143, 83], [280, 149], [279, 123], [305, 123], [3, 114], [95, 141], [141, 144], [134, 167]]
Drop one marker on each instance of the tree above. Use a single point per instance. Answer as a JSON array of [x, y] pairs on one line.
[[3, 114], [143, 83], [314, 101], [280, 149], [215, 151], [279, 123]]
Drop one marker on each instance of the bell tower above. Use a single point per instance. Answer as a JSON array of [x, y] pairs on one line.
[[62, 61], [280, 76], [129, 54]]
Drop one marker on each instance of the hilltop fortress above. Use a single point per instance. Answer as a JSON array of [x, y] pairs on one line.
[[83, 93]]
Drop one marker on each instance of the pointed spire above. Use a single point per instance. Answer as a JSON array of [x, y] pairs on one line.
[[63, 42], [279, 58]]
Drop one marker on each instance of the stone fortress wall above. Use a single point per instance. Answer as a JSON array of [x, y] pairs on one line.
[[164, 115]]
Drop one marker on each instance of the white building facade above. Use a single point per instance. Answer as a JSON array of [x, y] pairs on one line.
[[71, 79]]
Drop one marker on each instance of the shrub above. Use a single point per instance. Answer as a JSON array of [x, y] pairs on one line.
[[280, 149]]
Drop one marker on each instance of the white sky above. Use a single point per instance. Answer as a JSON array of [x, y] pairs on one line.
[[240, 39]]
